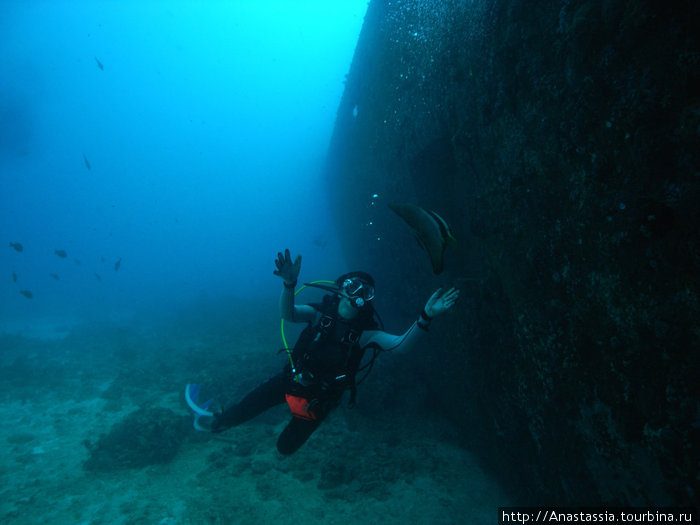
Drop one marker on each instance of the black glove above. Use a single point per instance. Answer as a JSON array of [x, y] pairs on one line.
[[286, 269]]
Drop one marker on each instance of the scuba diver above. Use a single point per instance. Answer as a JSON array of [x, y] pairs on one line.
[[327, 356]]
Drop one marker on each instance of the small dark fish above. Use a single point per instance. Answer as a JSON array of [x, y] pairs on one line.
[[55, 276], [87, 162], [97, 276], [26, 293], [117, 264], [321, 241], [17, 246], [77, 262], [99, 64], [14, 277], [61, 253], [102, 259]]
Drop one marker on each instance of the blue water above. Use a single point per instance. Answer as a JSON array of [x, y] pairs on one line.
[[154, 158], [205, 126]]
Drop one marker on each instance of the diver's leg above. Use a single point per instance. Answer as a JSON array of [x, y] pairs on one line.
[[295, 434], [262, 398], [299, 430]]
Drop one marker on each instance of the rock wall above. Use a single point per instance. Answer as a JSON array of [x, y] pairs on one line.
[[560, 140]]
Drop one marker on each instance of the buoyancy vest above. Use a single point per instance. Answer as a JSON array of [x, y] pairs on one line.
[[327, 354]]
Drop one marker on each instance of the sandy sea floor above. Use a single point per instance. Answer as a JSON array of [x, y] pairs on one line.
[[64, 388]]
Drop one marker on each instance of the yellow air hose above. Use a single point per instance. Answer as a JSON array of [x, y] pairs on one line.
[[284, 338]]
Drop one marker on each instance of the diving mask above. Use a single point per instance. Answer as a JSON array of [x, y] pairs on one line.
[[358, 291]]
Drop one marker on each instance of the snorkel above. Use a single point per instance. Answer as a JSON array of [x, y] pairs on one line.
[[328, 286]]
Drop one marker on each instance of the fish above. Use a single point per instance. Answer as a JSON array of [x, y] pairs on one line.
[[99, 64], [54, 276], [97, 276], [117, 264], [17, 246], [61, 253], [430, 230], [26, 293], [320, 241], [87, 162], [14, 277]]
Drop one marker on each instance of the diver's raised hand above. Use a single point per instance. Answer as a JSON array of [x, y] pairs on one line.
[[286, 269], [441, 302]]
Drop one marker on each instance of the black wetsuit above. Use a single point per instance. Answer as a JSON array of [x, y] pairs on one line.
[[326, 358], [269, 394]]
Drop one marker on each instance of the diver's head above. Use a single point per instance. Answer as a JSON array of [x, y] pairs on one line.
[[356, 290]]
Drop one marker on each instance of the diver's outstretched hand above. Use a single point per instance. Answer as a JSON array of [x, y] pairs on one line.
[[286, 269], [438, 304]]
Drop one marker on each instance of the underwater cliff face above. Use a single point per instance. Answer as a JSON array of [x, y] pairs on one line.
[[560, 140]]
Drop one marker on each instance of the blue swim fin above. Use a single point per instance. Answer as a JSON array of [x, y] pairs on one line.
[[200, 411]]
